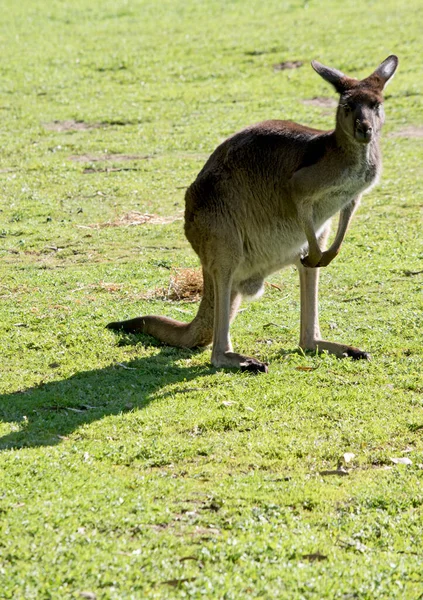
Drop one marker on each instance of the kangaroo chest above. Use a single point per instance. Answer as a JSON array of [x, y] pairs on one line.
[[272, 244], [339, 189]]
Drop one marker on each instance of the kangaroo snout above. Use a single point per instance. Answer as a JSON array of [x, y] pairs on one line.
[[363, 131]]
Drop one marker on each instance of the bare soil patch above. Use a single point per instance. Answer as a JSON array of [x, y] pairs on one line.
[[71, 125], [411, 131], [90, 170], [86, 158], [288, 64], [76, 125], [321, 102], [133, 218], [261, 52]]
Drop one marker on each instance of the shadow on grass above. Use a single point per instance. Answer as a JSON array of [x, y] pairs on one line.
[[51, 411]]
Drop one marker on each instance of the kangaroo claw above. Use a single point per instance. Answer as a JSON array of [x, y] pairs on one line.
[[254, 366], [357, 354]]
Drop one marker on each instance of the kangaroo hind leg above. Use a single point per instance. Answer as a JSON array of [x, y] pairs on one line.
[[310, 337], [226, 304], [174, 333]]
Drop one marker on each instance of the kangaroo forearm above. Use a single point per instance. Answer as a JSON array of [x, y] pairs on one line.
[[314, 251], [325, 258], [345, 217]]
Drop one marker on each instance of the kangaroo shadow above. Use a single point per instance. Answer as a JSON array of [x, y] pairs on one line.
[[47, 413]]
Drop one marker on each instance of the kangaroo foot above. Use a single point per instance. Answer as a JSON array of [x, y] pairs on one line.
[[340, 350], [130, 326], [356, 354], [254, 366], [244, 363]]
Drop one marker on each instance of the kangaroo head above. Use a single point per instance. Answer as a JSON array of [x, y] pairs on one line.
[[360, 112]]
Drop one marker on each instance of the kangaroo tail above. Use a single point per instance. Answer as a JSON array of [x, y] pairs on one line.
[[174, 333]]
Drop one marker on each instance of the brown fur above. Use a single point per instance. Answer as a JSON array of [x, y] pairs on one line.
[[264, 200]]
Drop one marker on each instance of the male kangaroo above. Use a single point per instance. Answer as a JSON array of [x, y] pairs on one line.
[[264, 200]]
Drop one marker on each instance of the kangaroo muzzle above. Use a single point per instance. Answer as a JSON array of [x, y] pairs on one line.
[[363, 131]]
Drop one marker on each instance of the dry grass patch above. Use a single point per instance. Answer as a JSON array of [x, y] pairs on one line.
[[184, 284]]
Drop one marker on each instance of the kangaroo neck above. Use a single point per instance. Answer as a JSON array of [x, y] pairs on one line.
[[354, 150]]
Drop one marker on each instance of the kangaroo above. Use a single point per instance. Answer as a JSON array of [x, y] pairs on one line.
[[264, 200]]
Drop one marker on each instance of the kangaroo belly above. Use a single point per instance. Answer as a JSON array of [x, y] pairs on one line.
[[270, 250]]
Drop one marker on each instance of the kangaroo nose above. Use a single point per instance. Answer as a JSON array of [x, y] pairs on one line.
[[364, 126], [363, 131]]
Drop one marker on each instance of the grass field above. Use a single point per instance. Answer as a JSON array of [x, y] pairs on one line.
[[130, 470]]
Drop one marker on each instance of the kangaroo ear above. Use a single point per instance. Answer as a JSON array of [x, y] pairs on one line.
[[338, 79], [385, 71]]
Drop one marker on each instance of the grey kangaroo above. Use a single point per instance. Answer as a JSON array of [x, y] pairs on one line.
[[264, 200]]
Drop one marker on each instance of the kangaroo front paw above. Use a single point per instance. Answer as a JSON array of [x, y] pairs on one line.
[[310, 261], [254, 366]]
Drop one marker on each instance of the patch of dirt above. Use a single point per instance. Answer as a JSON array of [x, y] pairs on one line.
[[84, 158], [184, 284], [256, 52], [133, 218], [177, 583], [288, 64], [120, 122], [316, 556], [75, 125], [101, 286], [261, 52], [71, 125], [205, 532], [321, 102], [412, 131], [160, 526], [90, 170]]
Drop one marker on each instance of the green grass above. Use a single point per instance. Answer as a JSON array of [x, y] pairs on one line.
[[131, 470]]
